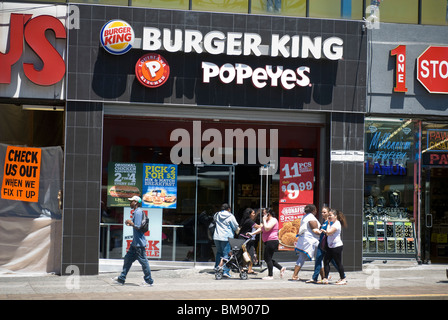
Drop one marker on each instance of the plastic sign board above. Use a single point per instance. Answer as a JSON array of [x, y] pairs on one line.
[[152, 70], [21, 174], [23, 29], [117, 37], [153, 236], [432, 69]]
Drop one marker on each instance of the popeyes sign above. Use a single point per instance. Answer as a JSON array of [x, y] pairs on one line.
[[30, 30], [432, 69]]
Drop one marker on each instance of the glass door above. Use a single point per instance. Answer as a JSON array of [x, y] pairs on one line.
[[214, 186]]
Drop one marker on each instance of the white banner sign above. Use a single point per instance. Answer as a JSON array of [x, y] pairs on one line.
[[153, 236]]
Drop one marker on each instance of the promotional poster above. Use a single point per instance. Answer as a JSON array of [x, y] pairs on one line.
[[153, 236], [296, 191]]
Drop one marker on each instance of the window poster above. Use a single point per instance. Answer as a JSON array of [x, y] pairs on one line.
[[124, 181], [21, 174], [159, 186], [153, 236], [296, 191]]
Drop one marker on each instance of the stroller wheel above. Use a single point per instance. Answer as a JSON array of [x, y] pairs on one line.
[[218, 275], [243, 275]]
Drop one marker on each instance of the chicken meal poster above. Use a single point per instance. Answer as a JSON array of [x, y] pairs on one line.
[[296, 191], [124, 181]]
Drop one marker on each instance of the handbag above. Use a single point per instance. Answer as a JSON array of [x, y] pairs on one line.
[[211, 228], [323, 243]]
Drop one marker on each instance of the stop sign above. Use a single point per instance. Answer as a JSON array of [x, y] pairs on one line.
[[432, 69]]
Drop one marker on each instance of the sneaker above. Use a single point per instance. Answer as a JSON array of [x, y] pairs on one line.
[[117, 281], [268, 278], [226, 275], [145, 284]]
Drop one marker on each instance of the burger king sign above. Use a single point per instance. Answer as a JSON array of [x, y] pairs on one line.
[[117, 37]]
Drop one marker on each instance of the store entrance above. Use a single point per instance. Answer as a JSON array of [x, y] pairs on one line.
[[241, 186], [435, 218], [215, 185]]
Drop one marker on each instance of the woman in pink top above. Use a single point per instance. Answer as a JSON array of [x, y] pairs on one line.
[[270, 239]]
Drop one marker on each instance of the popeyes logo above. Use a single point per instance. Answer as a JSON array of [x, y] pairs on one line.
[[117, 37], [152, 70]]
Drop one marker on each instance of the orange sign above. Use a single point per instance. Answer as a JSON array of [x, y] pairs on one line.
[[21, 174], [152, 70]]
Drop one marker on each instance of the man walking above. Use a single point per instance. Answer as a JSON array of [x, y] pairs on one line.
[[137, 248]]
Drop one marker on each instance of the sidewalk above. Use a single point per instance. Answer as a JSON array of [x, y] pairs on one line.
[[394, 280]]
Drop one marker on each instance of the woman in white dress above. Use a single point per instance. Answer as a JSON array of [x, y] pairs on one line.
[[308, 238]]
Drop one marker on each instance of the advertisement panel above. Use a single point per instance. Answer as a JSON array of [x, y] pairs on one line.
[[159, 186], [296, 180], [153, 236], [296, 191], [124, 181]]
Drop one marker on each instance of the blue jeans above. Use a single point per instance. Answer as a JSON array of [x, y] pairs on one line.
[[136, 253], [222, 251]]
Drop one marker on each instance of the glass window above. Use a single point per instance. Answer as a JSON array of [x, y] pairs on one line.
[[237, 6], [346, 9], [149, 141], [434, 186], [325, 8], [286, 7], [399, 11], [171, 4], [109, 2], [389, 208], [356, 10], [435, 12]]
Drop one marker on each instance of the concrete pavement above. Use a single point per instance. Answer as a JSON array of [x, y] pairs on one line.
[[394, 280]]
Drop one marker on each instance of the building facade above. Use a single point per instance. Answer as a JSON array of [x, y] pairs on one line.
[[229, 97]]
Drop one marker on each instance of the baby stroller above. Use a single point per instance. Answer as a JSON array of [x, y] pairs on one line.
[[238, 258]]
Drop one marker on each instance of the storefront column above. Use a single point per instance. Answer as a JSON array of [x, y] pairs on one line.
[[82, 187], [347, 180]]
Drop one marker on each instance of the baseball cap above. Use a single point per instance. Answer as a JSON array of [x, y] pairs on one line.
[[135, 198]]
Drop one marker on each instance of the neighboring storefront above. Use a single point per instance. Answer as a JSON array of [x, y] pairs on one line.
[[32, 100], [220, 100], [405, 215]]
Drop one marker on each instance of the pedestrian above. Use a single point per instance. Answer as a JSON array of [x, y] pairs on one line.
[[248, 225], [335, 245], [137, 249], [320, 250], [308, 239], [226, 225], [269, 236]]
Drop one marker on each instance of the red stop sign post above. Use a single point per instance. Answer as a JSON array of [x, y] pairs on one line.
[[432, 69]]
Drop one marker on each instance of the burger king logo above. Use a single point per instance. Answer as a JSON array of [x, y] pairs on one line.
[[152, 70], [117, 37]]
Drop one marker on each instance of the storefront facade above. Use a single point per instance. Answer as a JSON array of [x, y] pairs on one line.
[[405, 144], [227, 99], [237, 85], [234, 98], [32, 101]]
